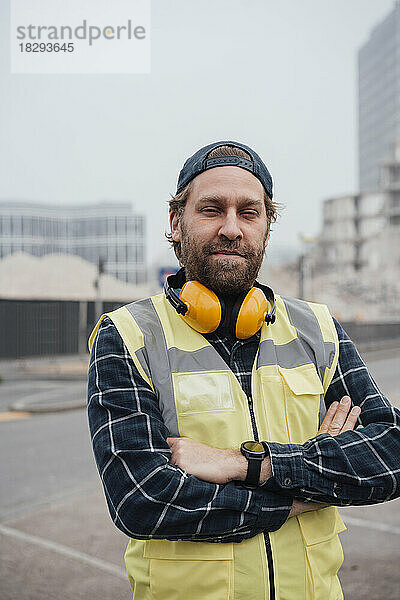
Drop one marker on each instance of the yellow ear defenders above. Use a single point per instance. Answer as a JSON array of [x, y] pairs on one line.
[[204, 311]]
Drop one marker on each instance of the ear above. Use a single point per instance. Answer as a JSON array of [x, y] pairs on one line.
[[175, 226]]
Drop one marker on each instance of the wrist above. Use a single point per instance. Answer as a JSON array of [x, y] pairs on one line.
[[238, 470], [239, 465], [258, 462]]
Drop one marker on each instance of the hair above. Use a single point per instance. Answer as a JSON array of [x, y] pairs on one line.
[[177, 203]]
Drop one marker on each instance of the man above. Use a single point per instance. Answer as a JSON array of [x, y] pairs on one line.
[[183, 386]]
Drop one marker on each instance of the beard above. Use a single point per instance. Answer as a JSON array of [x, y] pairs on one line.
[[225, 276]]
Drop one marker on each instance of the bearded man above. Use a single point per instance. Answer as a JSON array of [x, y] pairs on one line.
[[228, 423]]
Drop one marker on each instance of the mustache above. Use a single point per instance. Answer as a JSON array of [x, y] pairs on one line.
[[233, 246]]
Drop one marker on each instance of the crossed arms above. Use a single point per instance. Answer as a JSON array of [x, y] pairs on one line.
[[148, 496], [222, 466]]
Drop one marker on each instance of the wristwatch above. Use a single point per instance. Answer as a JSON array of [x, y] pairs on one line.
[[255, 452]]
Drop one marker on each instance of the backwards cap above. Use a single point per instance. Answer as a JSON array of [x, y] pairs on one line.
[[199, 162]]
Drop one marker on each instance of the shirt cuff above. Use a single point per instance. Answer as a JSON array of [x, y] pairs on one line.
[[288, 472]]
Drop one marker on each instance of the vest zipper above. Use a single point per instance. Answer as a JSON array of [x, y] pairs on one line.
[[253, 419], [270, 562], [268, 549]]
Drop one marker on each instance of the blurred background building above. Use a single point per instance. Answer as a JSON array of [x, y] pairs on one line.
[[355, 262], [60, 268], [107, 231], [378, 99]]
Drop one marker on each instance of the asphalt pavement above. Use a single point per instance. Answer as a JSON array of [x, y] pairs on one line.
[[56, 537]]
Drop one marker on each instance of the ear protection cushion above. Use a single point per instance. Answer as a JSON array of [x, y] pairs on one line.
[[249, 313], [205, 311]]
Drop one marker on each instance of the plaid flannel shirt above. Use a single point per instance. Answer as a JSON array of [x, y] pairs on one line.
[[150, 498]]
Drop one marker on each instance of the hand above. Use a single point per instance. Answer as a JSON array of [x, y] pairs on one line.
[[207, 463], [339, 417]]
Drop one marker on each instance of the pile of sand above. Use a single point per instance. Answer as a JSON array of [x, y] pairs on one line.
[[60, 277]]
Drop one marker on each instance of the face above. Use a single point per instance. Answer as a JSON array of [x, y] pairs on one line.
[[223, 230]]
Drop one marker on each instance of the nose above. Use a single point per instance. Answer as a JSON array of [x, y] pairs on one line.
[[230, 227]]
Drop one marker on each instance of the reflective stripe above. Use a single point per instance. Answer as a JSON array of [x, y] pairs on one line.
[[305, 322], [143, 358], [293, 354], [204, 359], [146, 317], [322, 409], [330, 350]]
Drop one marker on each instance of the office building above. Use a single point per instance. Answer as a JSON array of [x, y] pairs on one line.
[[378, 99], [348, 223], [107, 231]]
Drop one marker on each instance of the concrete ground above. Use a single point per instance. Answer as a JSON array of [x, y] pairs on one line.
[[66, 550], [371, 547]]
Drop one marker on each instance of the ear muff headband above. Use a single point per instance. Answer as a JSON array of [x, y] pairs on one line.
[[204, 311]]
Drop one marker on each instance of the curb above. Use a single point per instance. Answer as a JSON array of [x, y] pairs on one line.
[[378, 346], [41, 377]]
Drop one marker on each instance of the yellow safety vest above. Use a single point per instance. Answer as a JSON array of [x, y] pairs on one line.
[[200, 397]]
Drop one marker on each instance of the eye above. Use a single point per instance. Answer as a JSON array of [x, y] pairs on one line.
[[210, 210], [249, 214]]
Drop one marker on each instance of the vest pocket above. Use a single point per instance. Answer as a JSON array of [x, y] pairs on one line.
[[195, 570], [324, 552], [303, 389], [302, 380], [203, 392]]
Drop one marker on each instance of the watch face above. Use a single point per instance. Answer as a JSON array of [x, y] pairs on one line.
[[254, 447]]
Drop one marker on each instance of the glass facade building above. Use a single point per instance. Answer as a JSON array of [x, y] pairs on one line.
[[378, 99], [107, 231]]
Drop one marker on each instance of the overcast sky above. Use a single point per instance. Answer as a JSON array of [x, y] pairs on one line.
[[279, 76]]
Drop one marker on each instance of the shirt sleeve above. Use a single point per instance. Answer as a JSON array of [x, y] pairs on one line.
[[355, 467], [147, 496]]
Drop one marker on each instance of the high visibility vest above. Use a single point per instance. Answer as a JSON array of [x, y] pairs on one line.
[[200, 397]]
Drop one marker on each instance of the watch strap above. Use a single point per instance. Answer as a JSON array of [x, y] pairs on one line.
[[253, 472]]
